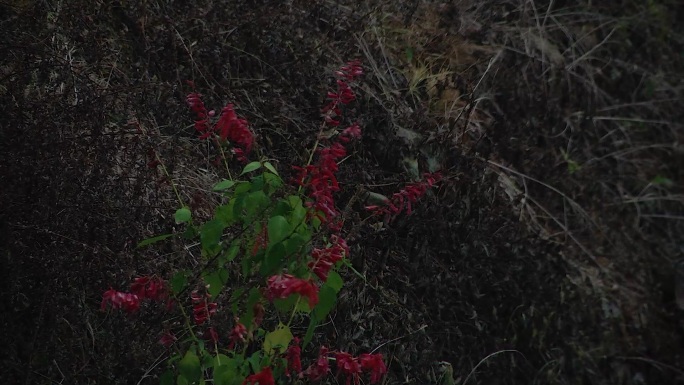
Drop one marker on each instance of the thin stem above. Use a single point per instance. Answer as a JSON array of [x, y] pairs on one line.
[[187, 319], [225, 162], [173, 185]]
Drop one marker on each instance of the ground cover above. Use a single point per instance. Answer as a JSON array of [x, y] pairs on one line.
[[546, 254]]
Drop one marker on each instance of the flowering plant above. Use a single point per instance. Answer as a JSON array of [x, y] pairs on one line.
[[282, 245]]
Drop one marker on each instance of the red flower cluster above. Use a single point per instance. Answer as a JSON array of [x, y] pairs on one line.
[[374, 364], [120, 300], [234, 129], [320, 368], [351, 70], [350, 366], [167, 339], [202, 309], [406, 196], [142, 287], [325, 259], [282, 286], [229, 126], [344, 95], [237, 335], [321, 181], [353, 366], [150, 287], [320, 178], [293, 355], [264, 377], [196, 104]]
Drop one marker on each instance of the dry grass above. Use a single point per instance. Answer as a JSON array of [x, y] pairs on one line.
[[553, 235]]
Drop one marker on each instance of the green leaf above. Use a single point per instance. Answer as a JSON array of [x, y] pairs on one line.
[[277, 339], [152, 240], [216, 281], [270, 168], [224, 185], [178, 282], [334, 281], [223, 360], [285, 305], [251, 167], [230, 254], [313, 322], [189, 367], [661, 180], [258, 183], [326, 302], [190, 232], [224, 213], [173, 359], [274, 259], [409, 54], [255, 203], [210, 236], [281, 208], [278, 229], [235, 298], [242, 187], [225, 370], [255, 361], [294, 244], [182, 215], [182, 380], [316, 222], [166, 378], [298, 214], [247, 265], [273, 182], [254, 297]]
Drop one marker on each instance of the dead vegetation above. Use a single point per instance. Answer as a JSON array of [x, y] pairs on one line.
[[546, 256]]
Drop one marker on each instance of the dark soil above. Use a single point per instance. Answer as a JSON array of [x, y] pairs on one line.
[[546, 254]]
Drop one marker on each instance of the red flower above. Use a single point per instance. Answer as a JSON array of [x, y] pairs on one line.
[[325, 259], [293, 355], [348, 365], [150, 287], [351, 70], [352, 132], [344, 95], [196, 104], [167, 339], [320, 369], [373, 363], [119, 300], [202, 309], [321, 181], [239, 155], [282, 286], [264, 377], [405, 197], [230, 127], [237, 335]]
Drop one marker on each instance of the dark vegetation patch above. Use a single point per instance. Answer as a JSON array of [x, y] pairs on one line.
[[545, 256]]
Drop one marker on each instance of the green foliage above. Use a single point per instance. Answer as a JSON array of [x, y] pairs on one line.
[[182, 215], [266, 229]]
